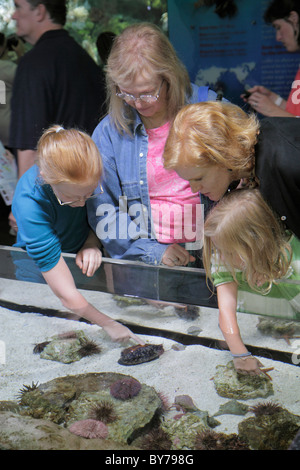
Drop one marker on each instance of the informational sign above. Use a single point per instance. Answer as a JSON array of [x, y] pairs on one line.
[[230, 50]]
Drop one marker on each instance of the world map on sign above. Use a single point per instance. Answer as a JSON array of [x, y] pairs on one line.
[[231, 81]]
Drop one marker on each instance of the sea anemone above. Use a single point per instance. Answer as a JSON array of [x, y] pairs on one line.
[[269, 408], [89, 428], [165, 403], [88, 348], [157, 439], [103, 411], [211, 440], [125, 389]]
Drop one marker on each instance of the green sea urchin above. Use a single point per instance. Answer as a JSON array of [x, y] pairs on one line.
[[88, 348], [268, 408], [27, 388], [211, 440], [103, 411], [157, 439]]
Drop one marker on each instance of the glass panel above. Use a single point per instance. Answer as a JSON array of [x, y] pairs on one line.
[[172, 302], [180, 285]]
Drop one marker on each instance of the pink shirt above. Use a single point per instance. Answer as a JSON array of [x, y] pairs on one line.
[[175, 209]]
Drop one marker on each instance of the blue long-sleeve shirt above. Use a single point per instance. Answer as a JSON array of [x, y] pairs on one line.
[[46, 229]]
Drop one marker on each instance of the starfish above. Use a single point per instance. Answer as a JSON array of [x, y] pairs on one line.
[[265, 371]]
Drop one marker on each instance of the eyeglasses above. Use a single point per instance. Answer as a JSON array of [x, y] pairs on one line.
[[145, 98], [61, 203]]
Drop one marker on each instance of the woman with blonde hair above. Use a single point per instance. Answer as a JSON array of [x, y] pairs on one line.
[[147, 84], [216, 146], [49, 207], [251, 261]]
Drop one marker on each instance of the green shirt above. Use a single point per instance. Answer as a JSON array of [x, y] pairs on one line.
[[283, 300]]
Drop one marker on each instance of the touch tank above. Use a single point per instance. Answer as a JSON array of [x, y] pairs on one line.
[[183, 395]]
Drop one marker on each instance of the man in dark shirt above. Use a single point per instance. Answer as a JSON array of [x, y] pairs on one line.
[[57, 82]]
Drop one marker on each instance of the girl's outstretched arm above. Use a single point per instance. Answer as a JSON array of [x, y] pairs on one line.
[[244, 362], [61, 281]]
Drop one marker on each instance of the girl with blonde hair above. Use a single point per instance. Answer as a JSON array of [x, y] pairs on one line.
[[251, 261], [49, 207]]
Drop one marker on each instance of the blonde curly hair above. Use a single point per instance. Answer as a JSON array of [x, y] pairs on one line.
[[212, 133]]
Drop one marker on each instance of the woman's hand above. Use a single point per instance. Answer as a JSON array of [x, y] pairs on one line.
[[263, 101], [120, 333], [248, 365], [176, 255], [89, 257], [89, 260]]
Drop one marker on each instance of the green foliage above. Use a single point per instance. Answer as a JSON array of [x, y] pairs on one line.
[[88, 18]]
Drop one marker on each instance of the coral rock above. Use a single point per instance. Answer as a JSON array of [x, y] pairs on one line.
[[90, 429], [230, 384], [270, 432], [186, 402], [182, 431], [67, 348]]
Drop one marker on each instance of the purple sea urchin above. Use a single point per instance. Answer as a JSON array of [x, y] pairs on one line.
[[103, 411], [89, 428], [39, 347], [140, 353], [269, 408], [125, 389]]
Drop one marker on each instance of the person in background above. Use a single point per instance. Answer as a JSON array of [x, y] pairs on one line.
[[147, 85], [56, 81], [49, 207], [104, 44], [8, 69], [252, 262], [284, 15], [216, 146]]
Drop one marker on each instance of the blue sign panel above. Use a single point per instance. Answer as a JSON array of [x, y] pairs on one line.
[[230, 49]]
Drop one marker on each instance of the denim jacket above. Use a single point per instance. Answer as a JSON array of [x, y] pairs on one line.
[[121, 216]]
